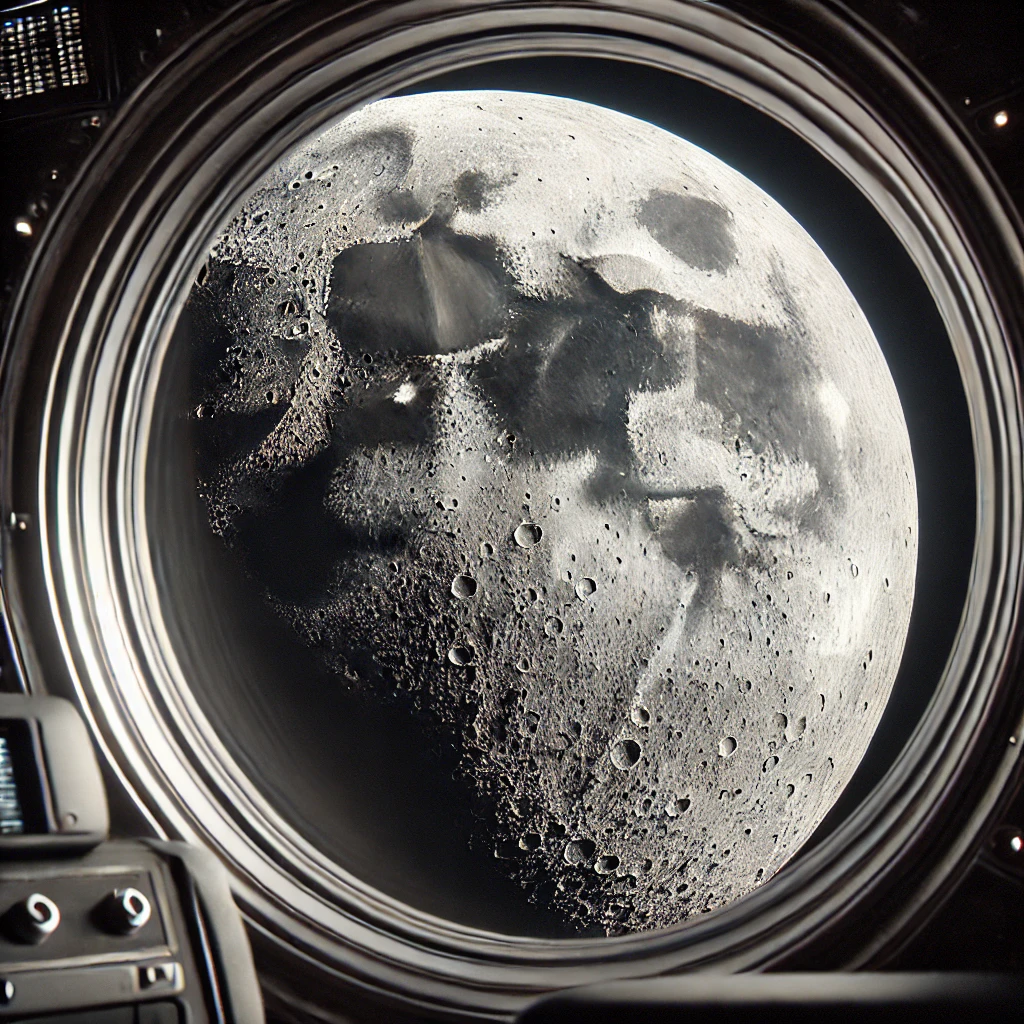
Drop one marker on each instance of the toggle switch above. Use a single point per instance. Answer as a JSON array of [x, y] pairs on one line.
[[161, 977]]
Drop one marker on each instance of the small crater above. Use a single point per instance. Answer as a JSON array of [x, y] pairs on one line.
[[579, 851], [553, 625], [461, 654], [625, 754], [796, 729], [640, 715], [527, 535], [463, 586]]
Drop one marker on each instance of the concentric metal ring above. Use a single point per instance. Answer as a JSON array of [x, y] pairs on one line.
[[93, 323]]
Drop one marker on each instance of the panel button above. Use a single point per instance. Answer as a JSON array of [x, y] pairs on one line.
[[33, 920], [160, 977], [124, 911], [6, 991]]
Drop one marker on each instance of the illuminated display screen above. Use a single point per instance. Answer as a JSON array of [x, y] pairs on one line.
[[12, 821]]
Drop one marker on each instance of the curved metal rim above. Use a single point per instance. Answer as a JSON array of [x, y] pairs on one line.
[[130, 281]]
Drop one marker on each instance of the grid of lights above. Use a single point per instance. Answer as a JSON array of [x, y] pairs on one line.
[[41, 51]]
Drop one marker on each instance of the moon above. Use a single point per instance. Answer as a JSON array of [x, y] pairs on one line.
[[558, 430]]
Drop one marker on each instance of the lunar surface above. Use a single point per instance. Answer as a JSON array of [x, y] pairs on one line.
[[558, 429]]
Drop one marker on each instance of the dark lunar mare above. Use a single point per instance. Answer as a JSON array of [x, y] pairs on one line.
[[561, 382], [699, 232]]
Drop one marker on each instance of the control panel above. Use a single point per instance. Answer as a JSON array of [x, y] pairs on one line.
[[104, 932], [112, 927], [86, 913]]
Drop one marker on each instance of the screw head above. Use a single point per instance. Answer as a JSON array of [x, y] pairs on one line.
[[1008, 845]]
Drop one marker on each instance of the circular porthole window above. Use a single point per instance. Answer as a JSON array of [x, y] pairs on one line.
[[535, 489]]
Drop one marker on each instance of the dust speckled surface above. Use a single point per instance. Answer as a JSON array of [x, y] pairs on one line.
[[563, 430]]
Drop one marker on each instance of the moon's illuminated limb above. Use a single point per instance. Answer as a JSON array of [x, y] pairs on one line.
[[455, 315]]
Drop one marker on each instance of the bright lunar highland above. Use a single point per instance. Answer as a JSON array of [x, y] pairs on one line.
[[560, 430]]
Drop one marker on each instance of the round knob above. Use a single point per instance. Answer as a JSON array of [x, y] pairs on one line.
[[33, 920], [125, 911]]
